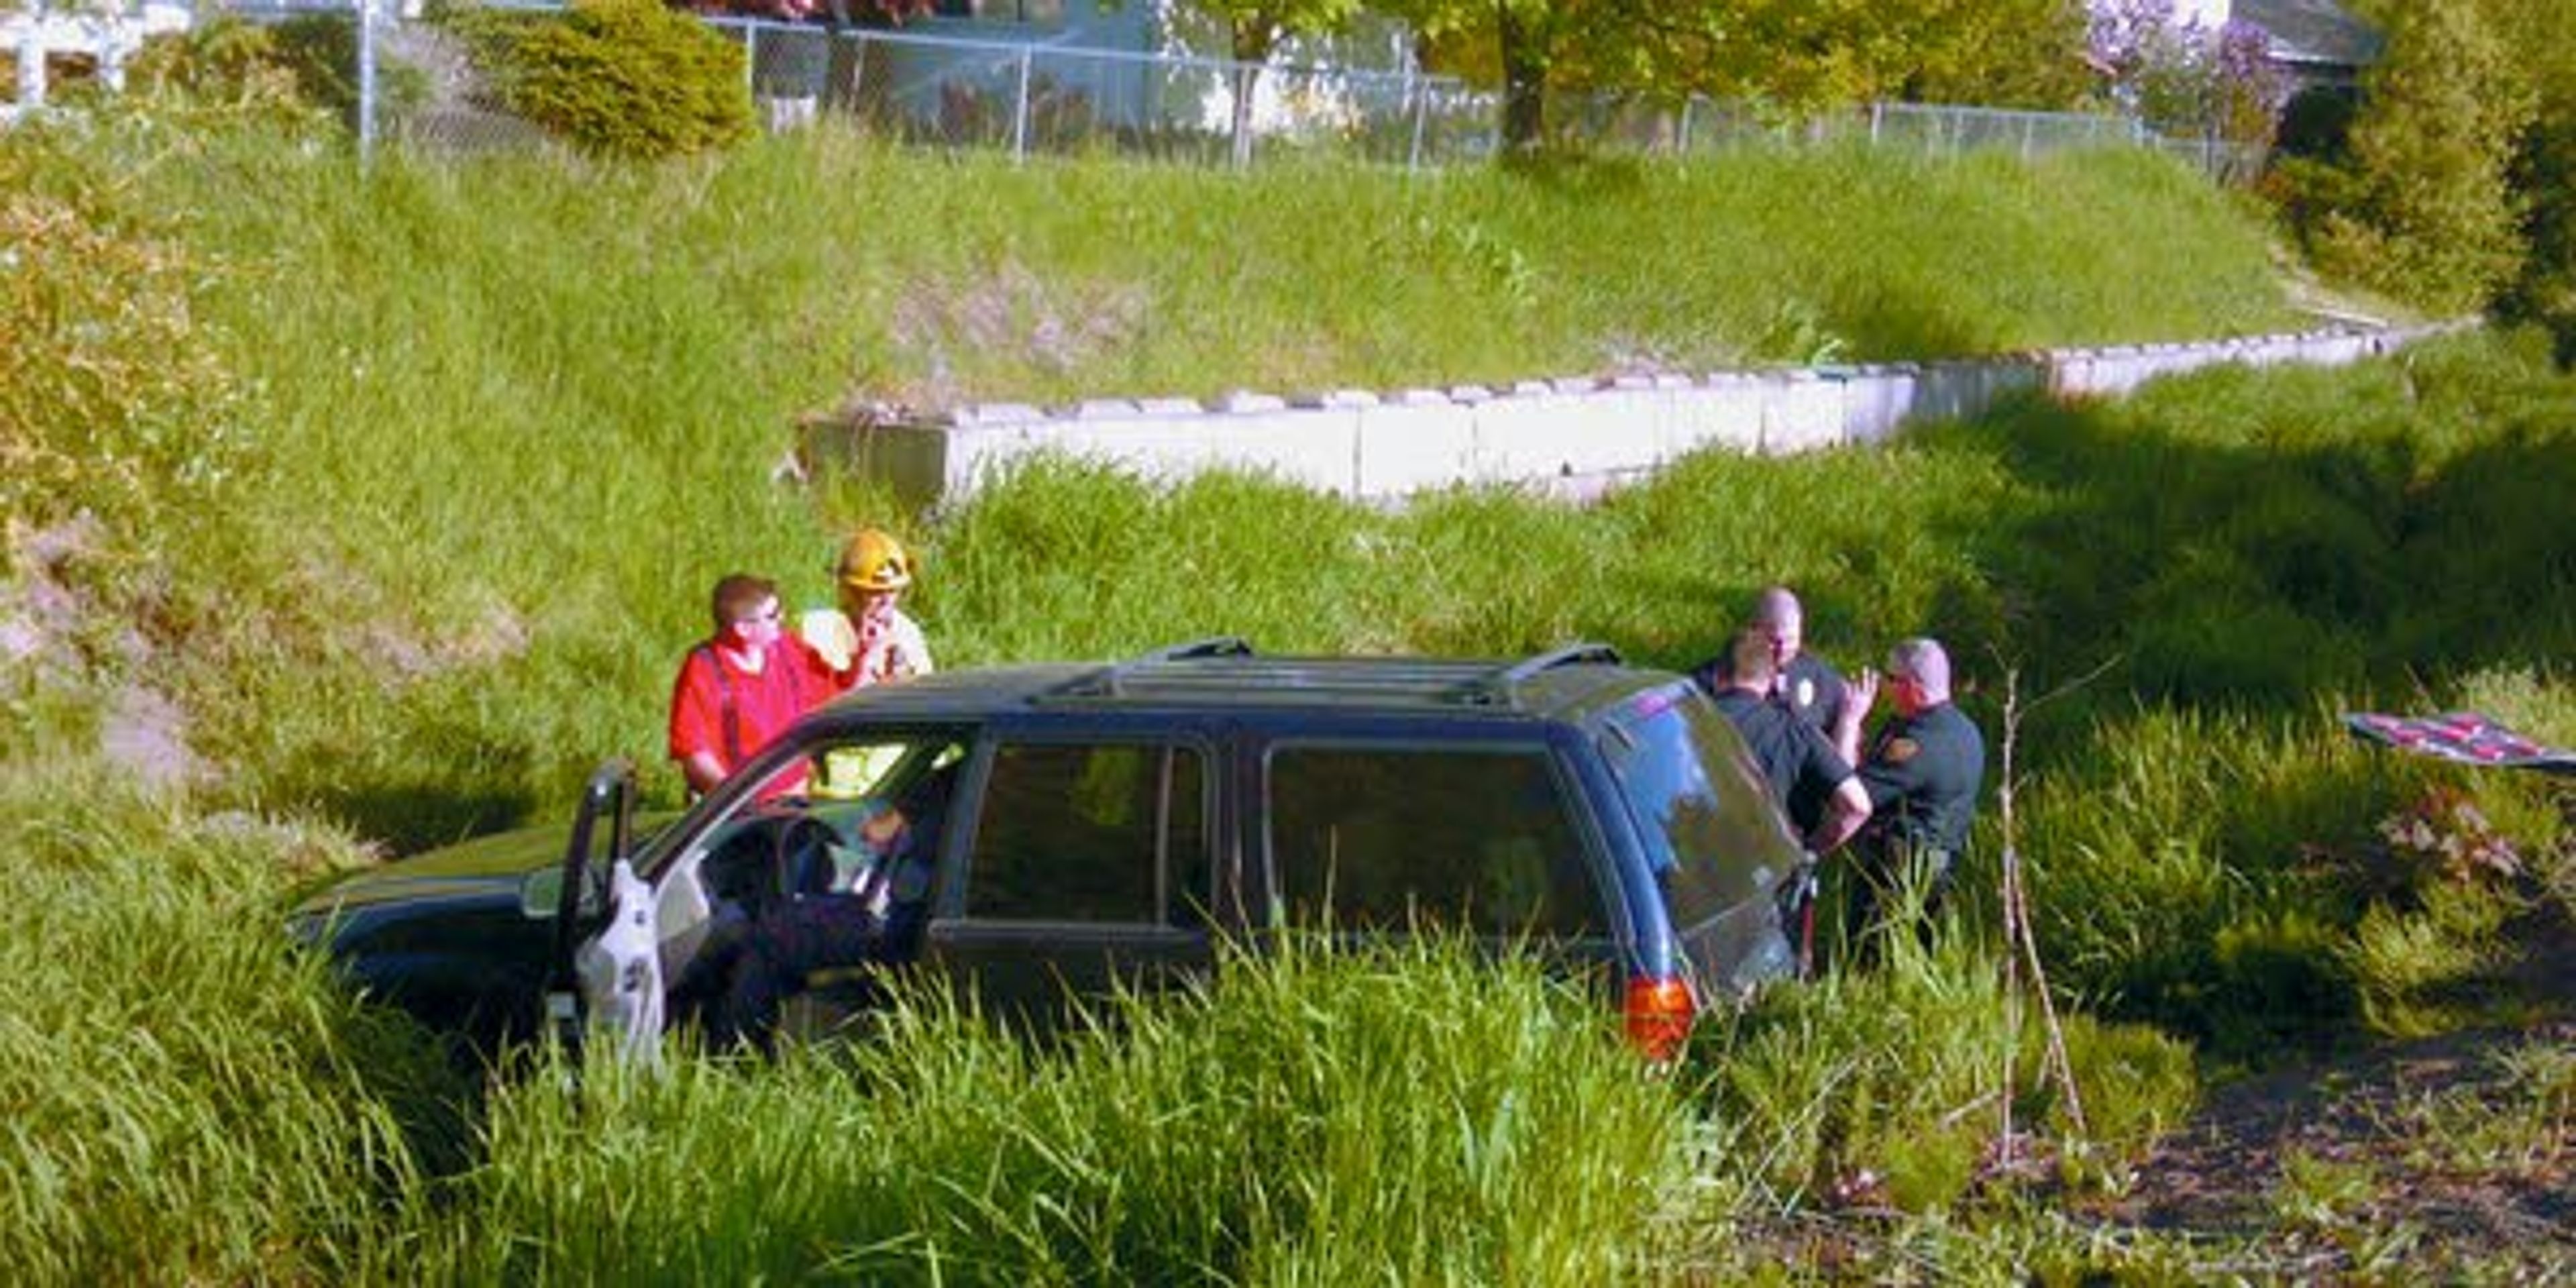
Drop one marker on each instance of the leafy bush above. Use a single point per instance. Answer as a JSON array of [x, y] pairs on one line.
[[2545, 171], [231, 61], [621, 78], [290, 72]]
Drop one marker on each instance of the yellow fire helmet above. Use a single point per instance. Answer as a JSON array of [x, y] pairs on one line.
[[874, 561]]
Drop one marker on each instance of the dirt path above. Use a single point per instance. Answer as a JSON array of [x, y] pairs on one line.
[[2430, 1161]]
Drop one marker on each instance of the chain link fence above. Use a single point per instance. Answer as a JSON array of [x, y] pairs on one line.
[[1030, 99], [409, 82]]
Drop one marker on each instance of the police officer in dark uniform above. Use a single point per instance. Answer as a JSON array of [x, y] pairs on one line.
[[1813, 785], [1807, 683], [1922, 773], [1810, 780]]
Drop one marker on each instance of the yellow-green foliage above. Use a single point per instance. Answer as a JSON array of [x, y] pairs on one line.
[[2432, 217], [281, 72], [227, 67], [112, 400], [621, 78]]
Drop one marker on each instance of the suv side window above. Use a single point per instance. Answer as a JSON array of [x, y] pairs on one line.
[[1376, 837], [1104, 832]]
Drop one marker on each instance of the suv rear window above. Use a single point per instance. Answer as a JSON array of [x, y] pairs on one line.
[[1698, 800], [1375, 838]]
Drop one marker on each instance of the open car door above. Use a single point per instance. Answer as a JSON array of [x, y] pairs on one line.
[[607, 984]]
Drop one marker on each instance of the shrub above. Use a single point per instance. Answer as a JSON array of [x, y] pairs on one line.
[[622, 78], [2546, 172], [289, 72], [228, 60]]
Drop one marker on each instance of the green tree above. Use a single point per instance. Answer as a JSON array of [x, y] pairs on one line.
[[2543, 35], [1518, 43], [1998, 53], [1809, 55], [1794, 56], [2424, 209]]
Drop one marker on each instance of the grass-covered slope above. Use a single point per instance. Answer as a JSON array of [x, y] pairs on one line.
[[469, 442]]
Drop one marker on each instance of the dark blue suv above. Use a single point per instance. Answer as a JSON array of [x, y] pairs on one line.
[[1065, 827]]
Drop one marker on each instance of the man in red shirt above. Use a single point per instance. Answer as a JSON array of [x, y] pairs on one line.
[[743, 687]]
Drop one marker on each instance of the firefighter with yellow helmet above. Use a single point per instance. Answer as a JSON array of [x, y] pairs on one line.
[[869, 639]]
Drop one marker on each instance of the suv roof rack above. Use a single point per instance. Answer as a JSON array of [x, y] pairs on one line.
[[1105, 682], [1431, 681], [1212, 646], [1505, 683]]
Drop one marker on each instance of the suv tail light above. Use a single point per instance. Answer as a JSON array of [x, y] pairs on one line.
[[1659, 1014]]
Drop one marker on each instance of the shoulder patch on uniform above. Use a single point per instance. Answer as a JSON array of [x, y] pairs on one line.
[[1806, 693], [1899, 750]]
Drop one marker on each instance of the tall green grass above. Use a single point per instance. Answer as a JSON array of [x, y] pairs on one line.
[[1418, 1116], [1891, 1086], [189, 1099]]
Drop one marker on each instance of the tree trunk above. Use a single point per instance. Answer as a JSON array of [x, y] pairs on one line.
[[1253, 39], [1524, 81]]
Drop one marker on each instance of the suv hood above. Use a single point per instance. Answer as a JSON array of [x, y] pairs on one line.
[[490, 865]]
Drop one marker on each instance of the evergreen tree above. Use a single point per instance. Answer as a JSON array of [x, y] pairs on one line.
[[2426, 211]]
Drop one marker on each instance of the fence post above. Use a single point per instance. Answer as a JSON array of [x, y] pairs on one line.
[[1877, 114], [2029, 129], [1413, 88], [751, 59], [1241, 116], [1020, 114], [121, 40], [31, 57], [366, 18], [858, 73], [1682, 146]]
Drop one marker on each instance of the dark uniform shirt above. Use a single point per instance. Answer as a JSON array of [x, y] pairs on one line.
[[1815, 690], [1803, 769], [1922, 773], [1812, 688]]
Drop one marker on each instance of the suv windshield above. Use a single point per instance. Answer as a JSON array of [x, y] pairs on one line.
[[1698, 801]]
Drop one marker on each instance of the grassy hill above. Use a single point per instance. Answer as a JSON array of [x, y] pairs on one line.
[[459, 447]]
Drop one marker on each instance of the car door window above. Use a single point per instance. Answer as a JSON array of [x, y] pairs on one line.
[[1100, 832], [1384, 838]]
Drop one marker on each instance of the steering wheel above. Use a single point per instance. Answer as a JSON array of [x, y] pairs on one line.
[[802, 857]]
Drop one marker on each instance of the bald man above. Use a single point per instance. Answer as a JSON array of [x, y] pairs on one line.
[[1804, 683], [1922, 773]]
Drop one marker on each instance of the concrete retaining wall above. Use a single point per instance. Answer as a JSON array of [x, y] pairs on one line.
[[1566, 436]]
